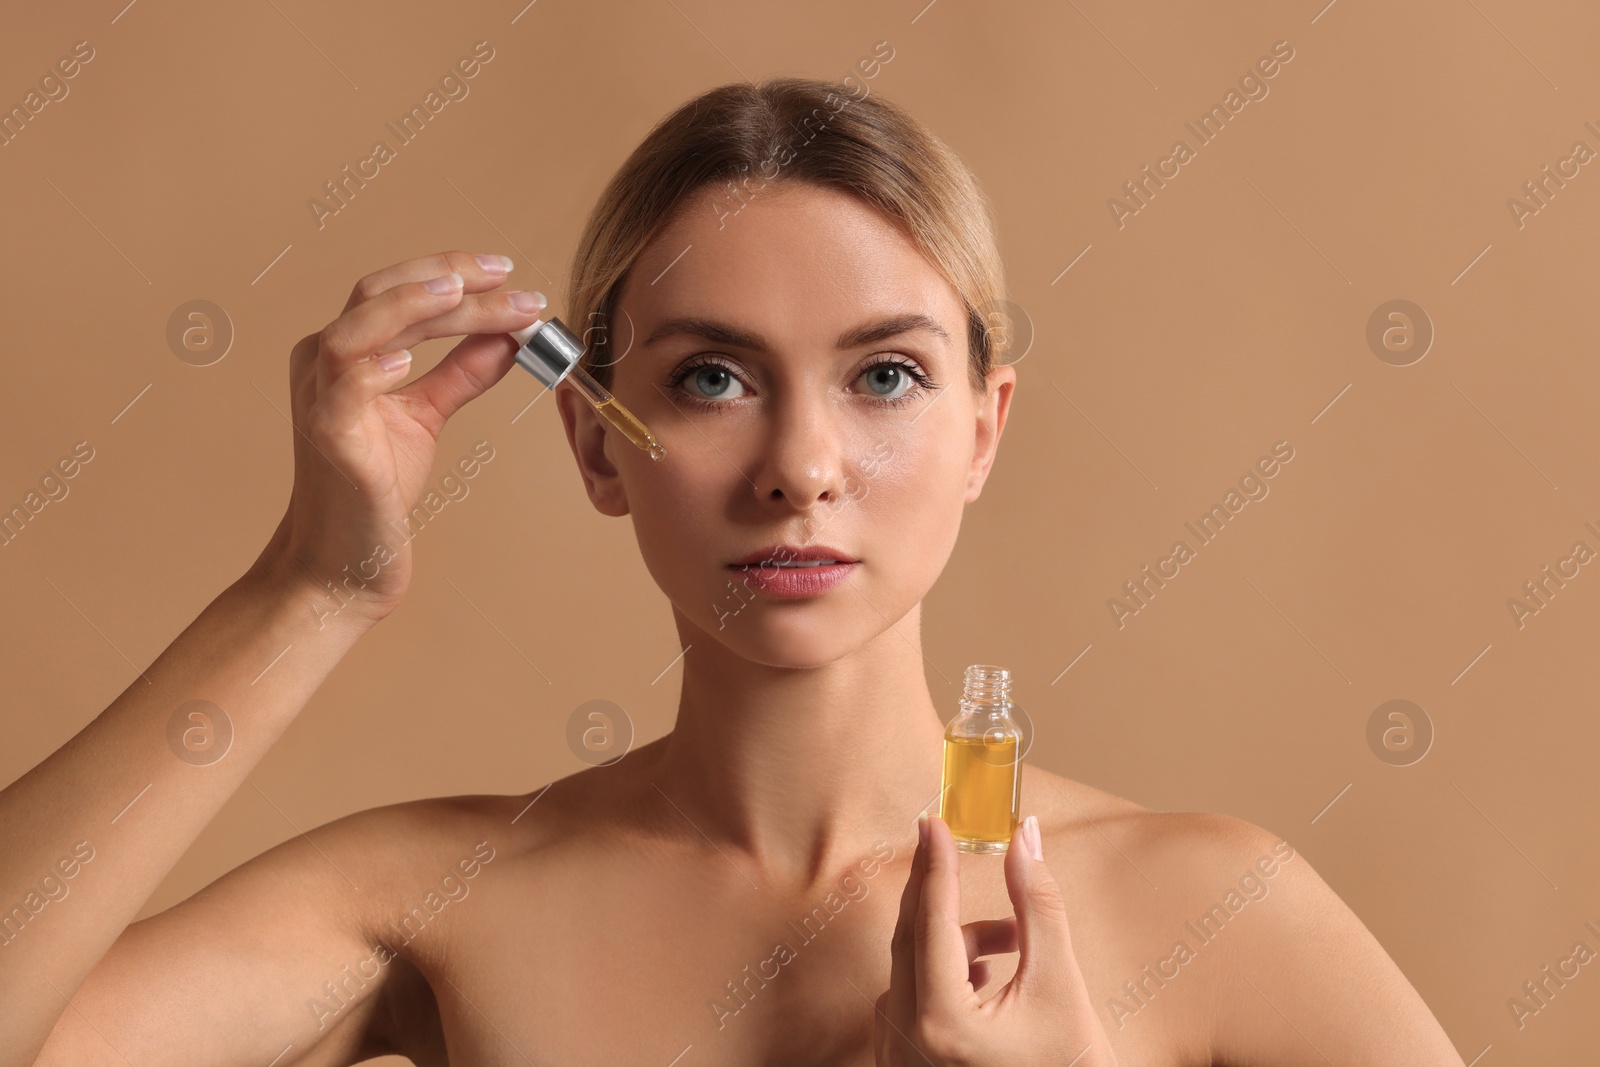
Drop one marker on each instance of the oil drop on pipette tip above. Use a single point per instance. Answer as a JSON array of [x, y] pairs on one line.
[[550, 352]]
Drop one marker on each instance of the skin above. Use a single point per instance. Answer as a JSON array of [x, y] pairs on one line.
[[599, 918]]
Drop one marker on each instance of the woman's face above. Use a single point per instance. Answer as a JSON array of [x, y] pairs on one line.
[[727, 345]]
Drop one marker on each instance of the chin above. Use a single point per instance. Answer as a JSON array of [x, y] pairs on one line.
[[802, 632], [798, 633]]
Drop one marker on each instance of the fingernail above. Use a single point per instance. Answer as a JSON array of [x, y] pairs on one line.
[[1030, 833], [922, 829], [445, 283], [394, 360], [495, 264], [523, 300]]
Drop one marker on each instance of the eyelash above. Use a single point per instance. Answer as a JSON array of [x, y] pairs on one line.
[[924, 384]]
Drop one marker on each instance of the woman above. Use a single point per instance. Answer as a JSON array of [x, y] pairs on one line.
[[789, 286]]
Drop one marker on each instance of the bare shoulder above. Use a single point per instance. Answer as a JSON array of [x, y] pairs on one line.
[[1292, 977], [412, 838], [434, 849], [1058, 799], [1303, 981], [291, 952], [1146, 869], [402, 864], [409, 866], [1186, 847], [431, 842], [1079, 814], [1071, 806]]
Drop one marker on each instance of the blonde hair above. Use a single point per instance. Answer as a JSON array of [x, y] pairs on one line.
[[791, 129]]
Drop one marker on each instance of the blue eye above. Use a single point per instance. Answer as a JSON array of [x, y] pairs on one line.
[[921, 384], [899, 372], [714, 378]]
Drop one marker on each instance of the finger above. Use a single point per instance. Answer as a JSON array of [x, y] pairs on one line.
[[886, 1043], [397, 310], [1043, 937], [416, 311], [978, 974], [498, 312], [941, 955], [370, 327], [481, 272], [466, 372], [345, 401], [986, 937], [903, 960]]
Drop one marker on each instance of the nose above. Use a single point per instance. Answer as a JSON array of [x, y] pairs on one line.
[[802, 454]]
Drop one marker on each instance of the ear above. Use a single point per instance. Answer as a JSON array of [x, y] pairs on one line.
[[991, 423], [587, 436]]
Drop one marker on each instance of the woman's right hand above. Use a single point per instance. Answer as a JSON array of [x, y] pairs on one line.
[[362, 448]]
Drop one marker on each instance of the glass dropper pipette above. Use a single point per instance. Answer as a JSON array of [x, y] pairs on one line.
[[550, 352]]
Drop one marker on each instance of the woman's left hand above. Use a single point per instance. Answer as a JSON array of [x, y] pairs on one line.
[[1043, 1016]]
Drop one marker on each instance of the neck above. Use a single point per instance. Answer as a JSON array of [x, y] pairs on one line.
[[795, 772]]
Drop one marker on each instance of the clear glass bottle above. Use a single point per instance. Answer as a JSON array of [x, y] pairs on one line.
[[982, 789]]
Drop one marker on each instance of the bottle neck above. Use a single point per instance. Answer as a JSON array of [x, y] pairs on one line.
[[987, 690]]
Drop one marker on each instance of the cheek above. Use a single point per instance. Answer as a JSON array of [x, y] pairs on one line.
[[923, 476], [911, 503], [678, 519]]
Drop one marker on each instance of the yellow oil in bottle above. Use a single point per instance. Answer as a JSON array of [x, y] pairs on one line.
[[981, 794], [979, 800]]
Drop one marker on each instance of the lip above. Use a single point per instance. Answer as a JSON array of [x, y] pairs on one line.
[[795, 581], [790, 553]]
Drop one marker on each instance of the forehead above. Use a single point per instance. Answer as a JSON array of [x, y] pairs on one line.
[[796, 264]]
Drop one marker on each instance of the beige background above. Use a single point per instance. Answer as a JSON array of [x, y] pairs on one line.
[[1230, 313]]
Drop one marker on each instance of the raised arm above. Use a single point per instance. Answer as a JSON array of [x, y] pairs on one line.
[[88, 834]]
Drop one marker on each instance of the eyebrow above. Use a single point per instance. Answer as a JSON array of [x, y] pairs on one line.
[[865, 334]]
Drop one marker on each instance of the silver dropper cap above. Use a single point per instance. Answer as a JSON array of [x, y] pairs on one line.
[[548, 350]]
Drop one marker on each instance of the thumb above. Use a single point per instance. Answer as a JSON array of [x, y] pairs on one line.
[[1043, 938], [465, 373]]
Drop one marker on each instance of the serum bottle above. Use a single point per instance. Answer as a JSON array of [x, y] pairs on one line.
[[982, 789]]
